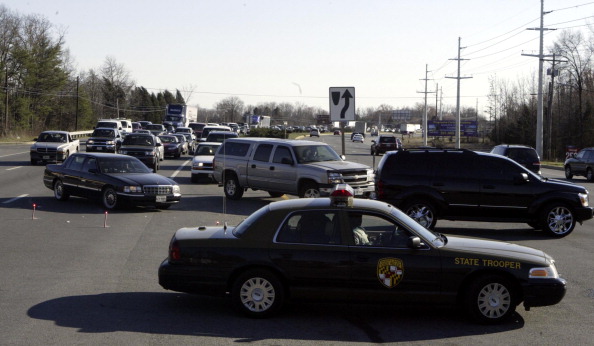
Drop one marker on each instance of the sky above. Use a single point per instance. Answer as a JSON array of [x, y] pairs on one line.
[[294, 51]]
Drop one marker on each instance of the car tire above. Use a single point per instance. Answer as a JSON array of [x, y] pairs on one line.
[[557, 219], [422, 211], [33, 162], [155, 164], [194, 178], [589, 175], [275, 194], [163, 206], [109, 198], [490, 299], [568, 173], [309, 190], [258, 293], [59, 192], [232, 188]]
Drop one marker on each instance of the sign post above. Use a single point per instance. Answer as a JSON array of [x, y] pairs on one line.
[[342, 107]]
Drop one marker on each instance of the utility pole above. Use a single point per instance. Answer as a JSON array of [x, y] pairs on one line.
[[425, 112], [76, 115], [540, 56], [458, 93], [436, 98]]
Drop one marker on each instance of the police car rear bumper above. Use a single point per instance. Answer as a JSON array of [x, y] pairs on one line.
[[543, 292]]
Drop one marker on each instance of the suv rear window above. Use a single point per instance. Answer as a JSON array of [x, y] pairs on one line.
[[234, 149], [387, 139]]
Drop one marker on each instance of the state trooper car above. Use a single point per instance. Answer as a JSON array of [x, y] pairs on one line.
[[346, 249]]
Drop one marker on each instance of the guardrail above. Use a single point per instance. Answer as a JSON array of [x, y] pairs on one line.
[[80, 134]]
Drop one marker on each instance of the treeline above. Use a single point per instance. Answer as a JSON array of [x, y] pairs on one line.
[[40, 88]]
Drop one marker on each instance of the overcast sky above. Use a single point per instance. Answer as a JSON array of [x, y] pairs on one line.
[[294, 51]]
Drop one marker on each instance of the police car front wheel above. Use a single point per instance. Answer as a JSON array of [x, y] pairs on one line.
[[491, 299]]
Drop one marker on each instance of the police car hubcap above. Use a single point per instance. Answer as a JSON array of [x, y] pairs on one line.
[[494, 300], [257, 294]]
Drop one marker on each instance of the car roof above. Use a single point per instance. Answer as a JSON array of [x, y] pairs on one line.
[[209, 143], [293, 142]]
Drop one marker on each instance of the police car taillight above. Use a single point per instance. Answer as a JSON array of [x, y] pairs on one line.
[[342, 195]]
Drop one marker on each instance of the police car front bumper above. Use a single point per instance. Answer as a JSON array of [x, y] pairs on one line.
[[544, 292]]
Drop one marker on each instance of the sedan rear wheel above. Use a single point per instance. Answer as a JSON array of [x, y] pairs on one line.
[[258, 293], [59, 192]]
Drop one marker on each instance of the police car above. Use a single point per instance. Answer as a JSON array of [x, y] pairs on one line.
[[345, 249]]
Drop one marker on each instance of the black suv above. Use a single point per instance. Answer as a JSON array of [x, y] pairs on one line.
[[458, 184], [145, 147], [524, 155], [385, 143], [581, 164], [105, 140]]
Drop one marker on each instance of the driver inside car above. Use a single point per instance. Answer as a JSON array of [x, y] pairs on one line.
[[359, 233]]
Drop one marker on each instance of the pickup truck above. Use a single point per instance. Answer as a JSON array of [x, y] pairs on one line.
[[282, 166], [53, 146]]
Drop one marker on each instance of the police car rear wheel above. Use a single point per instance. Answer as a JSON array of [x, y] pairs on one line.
[[258, 293], [490, 300]]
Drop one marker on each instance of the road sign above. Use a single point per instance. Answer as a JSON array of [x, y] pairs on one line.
[[342, 103]]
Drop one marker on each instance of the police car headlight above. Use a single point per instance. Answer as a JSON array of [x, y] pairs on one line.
[[132, 189], [335, 178], [584, 199], [544, 273]]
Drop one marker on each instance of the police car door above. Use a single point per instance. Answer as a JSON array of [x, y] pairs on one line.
[[383, 268]]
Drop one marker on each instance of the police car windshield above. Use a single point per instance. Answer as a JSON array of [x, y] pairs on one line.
[[435, 239]]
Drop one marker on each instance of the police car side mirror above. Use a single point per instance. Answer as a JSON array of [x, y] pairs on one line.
[[343, 157], [414, 242]]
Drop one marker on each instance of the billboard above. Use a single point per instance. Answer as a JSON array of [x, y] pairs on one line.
[[447, 128]]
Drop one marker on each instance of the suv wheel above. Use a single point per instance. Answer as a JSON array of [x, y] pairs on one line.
[[568, 173], [232, 188], [309, 190], [557, 220], [422, 212]]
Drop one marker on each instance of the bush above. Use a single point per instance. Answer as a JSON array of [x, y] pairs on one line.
[[266, 132]]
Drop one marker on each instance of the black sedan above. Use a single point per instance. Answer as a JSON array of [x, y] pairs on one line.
[[361, 250], [115, 179]]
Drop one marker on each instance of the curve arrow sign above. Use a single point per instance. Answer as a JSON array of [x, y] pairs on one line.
[[347, 101]]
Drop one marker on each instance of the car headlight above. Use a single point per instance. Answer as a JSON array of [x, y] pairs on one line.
[[110, 142], [176, 190], [133, 189], [335, 178], [544, 273], [150, 153], [584, 199], [198, 164], [61, 150], [90, 141]]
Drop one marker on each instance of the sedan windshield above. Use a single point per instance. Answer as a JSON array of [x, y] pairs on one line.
[[122, 165]]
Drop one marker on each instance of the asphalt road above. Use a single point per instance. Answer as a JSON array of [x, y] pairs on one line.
[[72, 274]]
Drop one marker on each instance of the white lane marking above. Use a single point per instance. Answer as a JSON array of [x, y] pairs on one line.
[[10, 169], [14, 199], [179, 169], [24, 152]]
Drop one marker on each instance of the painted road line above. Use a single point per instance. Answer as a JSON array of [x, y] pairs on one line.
[[179, 169], [24, 152], [14, 199], [10, 169]]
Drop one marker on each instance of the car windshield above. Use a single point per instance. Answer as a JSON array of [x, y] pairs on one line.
[[107, 124], [139, 140], [387, 139], [103, 133], [315, 153], [181, 138], [52, 137], [109, 165], [206, 150], [154, 127]]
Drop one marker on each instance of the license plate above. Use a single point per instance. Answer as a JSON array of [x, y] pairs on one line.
[[46, 157], [358, 192], [161, 199], [99, 148]]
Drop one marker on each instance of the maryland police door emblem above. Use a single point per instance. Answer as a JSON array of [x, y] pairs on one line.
[[390, 271]]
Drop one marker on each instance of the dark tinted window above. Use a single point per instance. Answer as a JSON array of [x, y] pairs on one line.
[[311, 227], [498, 169], [387, 139], [523, 155], [263, 152], [454, 165], [234, 149], [91, 163], [76, 163], [139, 140], [407, 163]]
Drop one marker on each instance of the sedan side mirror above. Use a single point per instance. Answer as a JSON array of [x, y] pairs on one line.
[[414, 242]]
